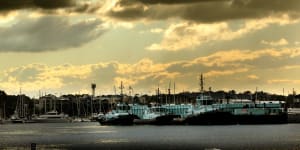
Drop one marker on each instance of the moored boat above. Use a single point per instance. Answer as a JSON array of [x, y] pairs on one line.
[[157, 115], [237, 112], [119, 116], [208, 111], [114, 118], [52, 117]]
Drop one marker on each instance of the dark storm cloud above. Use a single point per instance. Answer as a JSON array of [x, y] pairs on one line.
[[203, 10], [86, 8], [47, 33], [50, 6], [7, 5], [131, 2]]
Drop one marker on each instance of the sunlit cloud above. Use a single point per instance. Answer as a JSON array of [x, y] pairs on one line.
[[280, 42], [234, 57], [290, 67], [188, 35], [143, 66], [253, 77], [280, 81], [146, 73], [77, 77], [215, 73], [156, 30]]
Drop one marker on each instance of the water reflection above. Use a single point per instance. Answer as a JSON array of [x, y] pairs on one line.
[[83, 135], [112, 141]]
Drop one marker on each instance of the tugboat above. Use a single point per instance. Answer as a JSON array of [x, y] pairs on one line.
[[120, 116], [157, 115]]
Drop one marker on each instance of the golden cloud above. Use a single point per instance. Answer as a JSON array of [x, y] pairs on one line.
[[143, 66], [253, 77], [280, 81], [146, 73], [291, 67], [188, 35], [280, 42], [215, 73], [233, 57]]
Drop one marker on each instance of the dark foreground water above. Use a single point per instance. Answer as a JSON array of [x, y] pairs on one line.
[[94, 136]]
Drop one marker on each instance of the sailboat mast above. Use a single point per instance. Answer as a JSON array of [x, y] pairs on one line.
[[93, 94], [34, 106], [21, 104], [78, 106], [158, 99], [60, 105], [174, 94], [45, 101], [169, 92], [115, 93], [255, 95], [54, 103]]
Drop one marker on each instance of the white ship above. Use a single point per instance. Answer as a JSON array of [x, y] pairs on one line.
[[52, 117]]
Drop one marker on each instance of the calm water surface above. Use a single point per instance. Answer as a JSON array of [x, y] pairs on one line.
[[93, 136]]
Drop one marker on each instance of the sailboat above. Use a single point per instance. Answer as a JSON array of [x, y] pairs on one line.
[[79, 117], [19, 113]]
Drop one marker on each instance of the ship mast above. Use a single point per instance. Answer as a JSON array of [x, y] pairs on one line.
[[174, 94], [158, 99], [169, 93]]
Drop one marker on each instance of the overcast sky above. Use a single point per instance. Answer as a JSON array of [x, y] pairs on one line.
[[62, 46]]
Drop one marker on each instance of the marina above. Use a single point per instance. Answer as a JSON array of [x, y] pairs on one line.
[[149, 74], [205, 111]]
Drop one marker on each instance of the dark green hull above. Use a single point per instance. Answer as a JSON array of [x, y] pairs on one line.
[[224, 118]]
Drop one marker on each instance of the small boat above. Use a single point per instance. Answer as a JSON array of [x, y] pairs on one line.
[[52, 117], [15, 118]]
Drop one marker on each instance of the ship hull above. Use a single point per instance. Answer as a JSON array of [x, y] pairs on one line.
[[17, 121], [120, 120], [160, 120], [52, 120], [226, 118]]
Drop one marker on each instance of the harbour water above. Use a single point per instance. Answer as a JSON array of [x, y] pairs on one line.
[[91, 135]]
